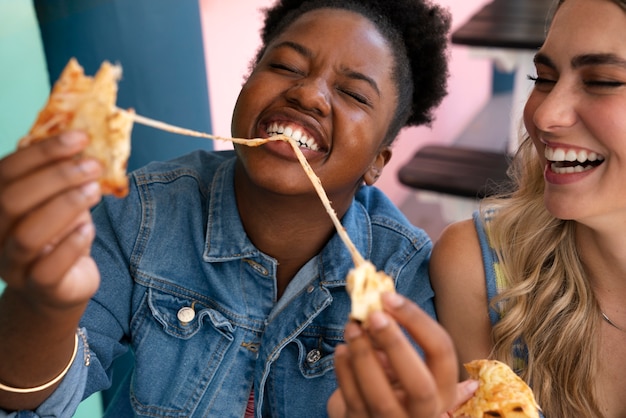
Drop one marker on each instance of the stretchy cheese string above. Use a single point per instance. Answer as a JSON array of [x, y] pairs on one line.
[[317, 184], [255, 142]]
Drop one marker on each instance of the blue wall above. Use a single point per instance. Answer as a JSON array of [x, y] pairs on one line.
[[159, 45]]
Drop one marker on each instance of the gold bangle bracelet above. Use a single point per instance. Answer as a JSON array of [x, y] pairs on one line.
[[50, 383]]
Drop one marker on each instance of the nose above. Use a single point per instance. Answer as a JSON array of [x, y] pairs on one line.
[[553, 110], [310, 94]]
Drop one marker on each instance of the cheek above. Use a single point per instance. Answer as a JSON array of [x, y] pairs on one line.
[[529, 112], [244, 112]]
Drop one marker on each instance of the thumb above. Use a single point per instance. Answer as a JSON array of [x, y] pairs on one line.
[[464, 391]]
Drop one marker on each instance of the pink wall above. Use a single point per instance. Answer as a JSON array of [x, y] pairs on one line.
[[231, 34]]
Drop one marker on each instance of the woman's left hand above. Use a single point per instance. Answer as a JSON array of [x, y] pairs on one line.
[[381, 374]]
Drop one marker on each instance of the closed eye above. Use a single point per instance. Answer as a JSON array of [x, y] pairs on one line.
[[356, 96], [540, 80], [285, 68], [607, 84]]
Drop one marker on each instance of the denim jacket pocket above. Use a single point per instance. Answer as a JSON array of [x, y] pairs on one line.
[[315, 355], [188, 341]]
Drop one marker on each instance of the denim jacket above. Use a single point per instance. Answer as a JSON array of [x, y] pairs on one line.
[[188, 292]]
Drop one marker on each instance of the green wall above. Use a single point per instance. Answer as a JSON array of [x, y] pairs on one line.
[[24, 84]]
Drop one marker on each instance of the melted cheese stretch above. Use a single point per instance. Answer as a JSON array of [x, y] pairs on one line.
[[317, 184], [364, 283]]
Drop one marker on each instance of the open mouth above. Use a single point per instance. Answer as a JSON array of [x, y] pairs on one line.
[[566, 161], [294, 133]]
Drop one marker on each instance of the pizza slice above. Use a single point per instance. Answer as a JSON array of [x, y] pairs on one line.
[[501, 393], [80, 102]]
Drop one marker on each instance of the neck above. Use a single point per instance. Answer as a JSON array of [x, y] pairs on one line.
[[603, 255], [291, 229]]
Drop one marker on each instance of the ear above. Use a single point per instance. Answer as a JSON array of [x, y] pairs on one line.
[[376, 168]]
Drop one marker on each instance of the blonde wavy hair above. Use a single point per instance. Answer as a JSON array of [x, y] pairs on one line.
[[548, 305]]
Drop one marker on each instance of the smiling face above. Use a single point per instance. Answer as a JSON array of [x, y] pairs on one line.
[[326, 81], [576, 113]]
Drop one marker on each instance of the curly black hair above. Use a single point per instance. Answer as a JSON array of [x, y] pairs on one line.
[[417, 32]]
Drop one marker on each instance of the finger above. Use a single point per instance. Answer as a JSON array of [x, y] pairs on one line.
[[348, 394], [336, 406], [464, 391], [375, 390], [41, 153], [38, 186], [422, 389], [67, 275], [437, 345], [36, 231], [58, 260]]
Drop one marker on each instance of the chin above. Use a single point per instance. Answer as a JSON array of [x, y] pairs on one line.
[[563, 210]]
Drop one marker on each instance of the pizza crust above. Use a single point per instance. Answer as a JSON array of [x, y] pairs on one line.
[[79, 102], [501, 393]]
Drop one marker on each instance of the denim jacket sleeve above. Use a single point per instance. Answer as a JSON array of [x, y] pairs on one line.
[[65, 399]]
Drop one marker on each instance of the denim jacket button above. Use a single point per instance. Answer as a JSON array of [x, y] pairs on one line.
[[185, 315], [313, 356]]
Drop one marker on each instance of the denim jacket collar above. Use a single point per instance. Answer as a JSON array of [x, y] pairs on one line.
[[226, 239]]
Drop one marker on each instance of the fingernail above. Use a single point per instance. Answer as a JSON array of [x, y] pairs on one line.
[[352, 331], [471, 386], [86, 230], [90, 189], [392, 299], [72, 137], [89, 166], [377, 321]]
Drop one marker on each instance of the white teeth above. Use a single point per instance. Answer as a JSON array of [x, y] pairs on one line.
[[557, 154], [571, 155], [560, 154], [568, 170], [297, 135]]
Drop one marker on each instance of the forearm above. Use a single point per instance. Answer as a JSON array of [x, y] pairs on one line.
[[36, 345]]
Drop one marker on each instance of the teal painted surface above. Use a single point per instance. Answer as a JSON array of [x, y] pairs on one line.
[[24, 84], [90, 407], [24, 89]]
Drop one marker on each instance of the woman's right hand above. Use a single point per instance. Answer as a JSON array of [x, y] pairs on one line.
[[380, 374], [46, 230]]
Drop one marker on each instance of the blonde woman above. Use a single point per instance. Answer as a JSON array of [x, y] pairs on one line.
[[553, 253]]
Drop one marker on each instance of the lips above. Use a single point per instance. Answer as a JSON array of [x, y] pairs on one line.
[[294, 132], [565, 160]]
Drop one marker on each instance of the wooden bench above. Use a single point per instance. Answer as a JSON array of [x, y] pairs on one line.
[[457, 170], [476, 164]]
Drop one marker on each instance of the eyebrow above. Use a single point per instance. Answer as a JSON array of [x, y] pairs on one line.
[[584, 60], [307, 53]]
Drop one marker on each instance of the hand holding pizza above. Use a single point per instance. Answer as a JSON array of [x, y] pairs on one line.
[[46, 192], [381, 374]]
